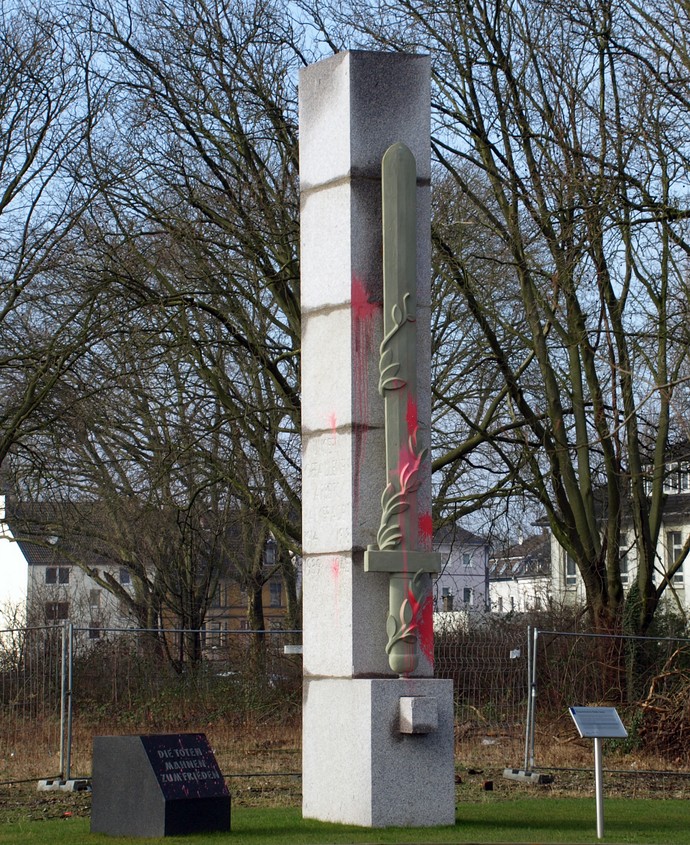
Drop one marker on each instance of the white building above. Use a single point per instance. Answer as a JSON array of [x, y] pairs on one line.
[[60, 590], [463, 584], [520, 576], [14, 576], [674, 534]]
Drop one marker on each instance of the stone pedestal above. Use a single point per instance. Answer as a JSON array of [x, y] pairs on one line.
[[363, 762], [360, 768]]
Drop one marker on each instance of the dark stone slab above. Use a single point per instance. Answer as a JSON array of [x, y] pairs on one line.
[[160, 785]]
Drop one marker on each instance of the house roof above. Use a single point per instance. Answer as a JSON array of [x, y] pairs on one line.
[[529, 559], [36, 555], [676, 504], [52, 534], [454, 535]]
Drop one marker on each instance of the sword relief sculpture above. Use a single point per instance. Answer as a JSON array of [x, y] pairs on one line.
[[396, 551]]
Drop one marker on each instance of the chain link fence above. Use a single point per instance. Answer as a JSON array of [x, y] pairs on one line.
[[32, 678], [60, 687], [647, 680]]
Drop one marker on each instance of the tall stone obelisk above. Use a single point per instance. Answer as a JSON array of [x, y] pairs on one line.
[[377, 727]]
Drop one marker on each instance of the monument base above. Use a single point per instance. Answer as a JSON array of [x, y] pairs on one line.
[[369, 760]]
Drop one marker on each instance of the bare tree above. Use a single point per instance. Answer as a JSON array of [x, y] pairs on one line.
[[46, 317], [188, 403], [137, 478], [199, 217], [563, 137]]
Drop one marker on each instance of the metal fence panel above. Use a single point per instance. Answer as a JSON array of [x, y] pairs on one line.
[[243, 692], [647, 679], [30, 701]]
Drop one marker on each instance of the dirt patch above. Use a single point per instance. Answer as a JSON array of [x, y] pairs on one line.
[[22, 802]]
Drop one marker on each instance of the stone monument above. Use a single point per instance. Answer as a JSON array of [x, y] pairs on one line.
[[377, 726], [157, 785]]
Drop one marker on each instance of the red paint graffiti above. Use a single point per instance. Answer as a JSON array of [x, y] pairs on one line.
[[362, 309], [426, 530], [408, 470], [422, 623]]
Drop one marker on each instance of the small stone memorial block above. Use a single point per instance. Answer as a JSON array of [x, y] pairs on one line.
[[160, 785]]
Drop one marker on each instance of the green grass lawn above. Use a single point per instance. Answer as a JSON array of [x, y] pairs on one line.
[[525, 820]]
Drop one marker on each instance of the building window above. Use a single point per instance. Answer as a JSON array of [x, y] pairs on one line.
[[674, 547], [56, 610], [270, 552], [215, 634], [125, 577], [466, 558], [94, 633], [684, 477], [623, 558], [570, 572], [467, 595], [57, 575], [220, 596], [671, 481], [276, 593], [51, 575]]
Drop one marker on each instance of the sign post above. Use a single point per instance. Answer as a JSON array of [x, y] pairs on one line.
[[598, 723]]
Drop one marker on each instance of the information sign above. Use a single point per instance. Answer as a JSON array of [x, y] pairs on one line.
[[598, 723], [602, 722]]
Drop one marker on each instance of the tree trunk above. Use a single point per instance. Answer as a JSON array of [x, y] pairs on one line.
[[255, 618]]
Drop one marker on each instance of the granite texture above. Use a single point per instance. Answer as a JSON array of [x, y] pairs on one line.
[[358, 767], [362, 770]]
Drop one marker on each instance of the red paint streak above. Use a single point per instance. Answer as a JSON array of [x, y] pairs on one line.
[[415, 605], [363, 325], [362, 309], [333, 423], [426, 530], [422, 624], [409, 464], [335, 568]]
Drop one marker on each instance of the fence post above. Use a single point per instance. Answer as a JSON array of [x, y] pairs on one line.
[[70, 667], [533, 698], [63, 697], [528, 719]]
